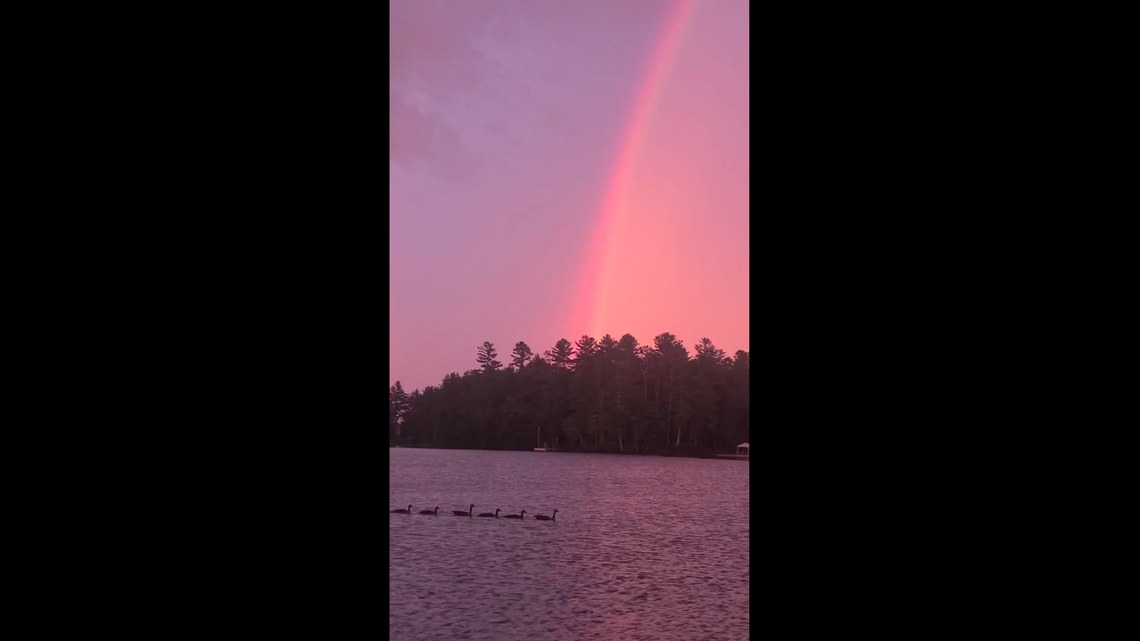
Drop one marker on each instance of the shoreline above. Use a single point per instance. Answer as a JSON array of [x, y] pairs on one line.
[[717, 457]]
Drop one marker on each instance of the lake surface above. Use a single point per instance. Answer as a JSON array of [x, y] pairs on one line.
[[643, 547]]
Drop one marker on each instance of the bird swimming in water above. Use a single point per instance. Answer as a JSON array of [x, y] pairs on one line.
[[515, 516], [462, 513], [540, 517], [436, 512], [495, 515], [407, 511]]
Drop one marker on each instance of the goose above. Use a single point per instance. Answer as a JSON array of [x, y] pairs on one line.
[[462, 513], [515, 516], [407, 511], [496, 514], [541, 517], [436, 512]]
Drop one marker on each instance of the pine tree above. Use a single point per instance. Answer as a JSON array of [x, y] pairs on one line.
[[707, 352], [521, 354], [586, 347], [398, 406], [486, 358], [562, 354]]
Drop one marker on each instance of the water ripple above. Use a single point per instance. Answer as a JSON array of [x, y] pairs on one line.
[[642, 548]]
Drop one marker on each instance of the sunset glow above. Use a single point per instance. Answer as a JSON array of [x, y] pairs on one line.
[[562, 168]]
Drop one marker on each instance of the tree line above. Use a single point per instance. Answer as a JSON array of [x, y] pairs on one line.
[[595, 396]]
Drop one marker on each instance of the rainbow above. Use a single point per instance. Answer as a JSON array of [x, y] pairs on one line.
[[589, 312]]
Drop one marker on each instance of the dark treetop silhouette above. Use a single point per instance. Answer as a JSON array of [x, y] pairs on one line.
[[593, 396]]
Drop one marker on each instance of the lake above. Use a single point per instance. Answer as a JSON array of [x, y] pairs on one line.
[[643, 547]]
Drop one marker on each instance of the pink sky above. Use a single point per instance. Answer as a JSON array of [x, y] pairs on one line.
[[561, 168]]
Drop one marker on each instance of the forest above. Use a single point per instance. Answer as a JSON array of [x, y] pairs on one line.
[[593, 396]]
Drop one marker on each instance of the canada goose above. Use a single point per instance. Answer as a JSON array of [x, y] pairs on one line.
[[515, 516], [407, 511], [495, 515], [541, 517], [462, 513], [436, 512]]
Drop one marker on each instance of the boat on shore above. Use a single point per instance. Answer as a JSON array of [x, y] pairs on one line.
[[542, 447]]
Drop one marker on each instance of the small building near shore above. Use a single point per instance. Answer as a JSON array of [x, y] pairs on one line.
[[742, 449]]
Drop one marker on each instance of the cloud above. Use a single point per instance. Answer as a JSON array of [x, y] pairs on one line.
[[441, 76]]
